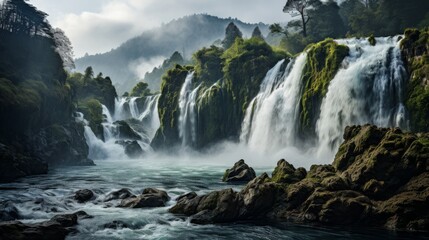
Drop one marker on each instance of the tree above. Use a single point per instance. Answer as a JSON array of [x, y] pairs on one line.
[[64, 48], [140, 90], [231, 33], [17, 16], [300, 7], [89, 74], [257, 33]]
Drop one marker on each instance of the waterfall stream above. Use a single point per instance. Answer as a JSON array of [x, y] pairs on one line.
[[368, 88], [272, 116], [187, 107]]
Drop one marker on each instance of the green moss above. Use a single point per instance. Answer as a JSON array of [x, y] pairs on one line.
[[93, 112], [415, 50], [208, 65], [323, 61], [140, 90], [168, 106], [372, 40]]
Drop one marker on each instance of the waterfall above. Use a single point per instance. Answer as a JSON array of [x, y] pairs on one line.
[[109, 129], [271, 118], [369, 88], [150, 116], [188, 117], [134, 110], [120, 113]]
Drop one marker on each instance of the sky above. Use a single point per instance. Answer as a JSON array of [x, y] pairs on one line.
[[97, 26]]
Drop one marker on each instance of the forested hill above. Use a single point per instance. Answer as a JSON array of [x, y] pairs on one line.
[[187, 34]]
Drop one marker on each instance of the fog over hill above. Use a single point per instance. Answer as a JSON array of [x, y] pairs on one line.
[[129, 62]]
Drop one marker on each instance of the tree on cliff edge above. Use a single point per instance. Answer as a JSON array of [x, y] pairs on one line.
[[301, 7]]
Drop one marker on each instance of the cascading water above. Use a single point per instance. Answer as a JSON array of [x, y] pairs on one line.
[[188, 117], [150, 116], [271, 117], [369, 88]]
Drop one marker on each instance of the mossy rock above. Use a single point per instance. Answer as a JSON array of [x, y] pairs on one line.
[[286, 173], [323, 62], [168, 107], [415, 46]]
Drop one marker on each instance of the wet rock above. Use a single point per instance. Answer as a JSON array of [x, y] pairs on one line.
[[186, 204], [8, 212], [15, 164], [241, 172], [84, 195], [286, 173], [148, 199], [132, 148], [115, 225], [227, 205], [56, 228], [379, 178], [126, 132], [120, 194]]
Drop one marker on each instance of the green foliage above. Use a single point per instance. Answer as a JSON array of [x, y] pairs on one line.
[[140, 90], [93, 112], [415, 48], [372, 40], [168, 106], [208, 64], [323, 61], [85, 87]]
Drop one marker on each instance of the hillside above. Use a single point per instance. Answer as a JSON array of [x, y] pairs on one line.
[[187, 34]]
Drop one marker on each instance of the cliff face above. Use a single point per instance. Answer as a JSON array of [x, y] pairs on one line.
[[379, 178], [415, 50], [37, 125], [227, 79]]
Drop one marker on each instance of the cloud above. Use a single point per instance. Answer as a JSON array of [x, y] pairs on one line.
[[98, 25]]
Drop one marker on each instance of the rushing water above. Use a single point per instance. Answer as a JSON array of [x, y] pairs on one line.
[[369, 88], [39, 198], [271, 118], [187, 108]]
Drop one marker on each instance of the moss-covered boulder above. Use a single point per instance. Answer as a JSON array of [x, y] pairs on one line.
[[323, 61], [379, 179], [378, 161], [415, 50], [286, 173]]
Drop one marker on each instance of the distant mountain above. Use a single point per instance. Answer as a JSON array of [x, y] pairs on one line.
[[129, 62]]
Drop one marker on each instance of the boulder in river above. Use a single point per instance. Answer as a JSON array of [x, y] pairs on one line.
[[379, 178], [150, 198], [120, 194], [57, 227], [8, 211], [84, 195], [240, 172]]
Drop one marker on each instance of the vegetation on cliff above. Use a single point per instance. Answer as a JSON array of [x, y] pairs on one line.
[[415, 49], [323, 61], [228, 79]]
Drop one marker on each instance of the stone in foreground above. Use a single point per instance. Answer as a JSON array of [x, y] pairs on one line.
[[241, 172]]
